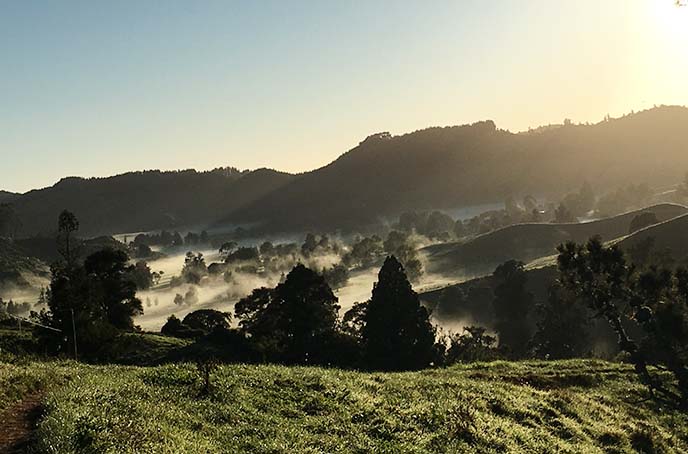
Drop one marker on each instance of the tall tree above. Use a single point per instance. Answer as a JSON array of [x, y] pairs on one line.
[[397, 333], [654, 299], [294, 321], [512, 305], [67, 224], [562, 327]]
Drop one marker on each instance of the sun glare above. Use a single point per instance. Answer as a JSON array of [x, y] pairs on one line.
[[672, 17]]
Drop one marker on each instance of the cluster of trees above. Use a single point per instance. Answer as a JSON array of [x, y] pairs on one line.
[[643, 297], [366, 252], [163, 239], [297, 322], [555, 327], [9, 222], [435, 225], [89, 301], [438, 226], [197, 324], [12, 308], [653, 299]]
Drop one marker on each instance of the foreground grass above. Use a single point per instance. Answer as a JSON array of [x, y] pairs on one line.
[[19, 378], [569, 406]]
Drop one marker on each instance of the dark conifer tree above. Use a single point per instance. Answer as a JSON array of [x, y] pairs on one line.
[[397, 333], [512, 305]]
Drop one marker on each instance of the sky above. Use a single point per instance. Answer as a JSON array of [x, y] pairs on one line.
[[94, 88]]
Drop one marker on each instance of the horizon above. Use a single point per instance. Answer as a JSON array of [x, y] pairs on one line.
[[229, 165], [100, 90]]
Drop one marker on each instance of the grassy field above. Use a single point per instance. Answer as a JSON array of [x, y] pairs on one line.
[[538, 407]]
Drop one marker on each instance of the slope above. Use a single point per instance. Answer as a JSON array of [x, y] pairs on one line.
[[141, 201], [526, 242], [473, 164], [562, 406]]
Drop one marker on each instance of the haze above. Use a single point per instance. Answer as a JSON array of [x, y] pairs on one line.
[[94, 90]]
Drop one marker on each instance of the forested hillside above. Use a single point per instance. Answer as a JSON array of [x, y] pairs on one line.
[[384, 175], [473, 164], [140, 201]]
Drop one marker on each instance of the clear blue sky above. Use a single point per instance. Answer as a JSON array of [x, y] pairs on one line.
[[96, 88]]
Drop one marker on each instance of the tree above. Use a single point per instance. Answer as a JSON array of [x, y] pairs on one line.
[[644, 219], [9, 221], [654, 299], [267, 249], [562, 215], [365, 252], [175, 328], [97, 298], [309, 245], [474, 344], [227, 248], [354, 320], [399, 245], [194, 269], [243, 254], [112, 289], [512, 304], [438, 225], [142, 275], [67, 224], [562, 328], [336, 276], [451, 304], [292, 322], [397, 333], [208, 320]]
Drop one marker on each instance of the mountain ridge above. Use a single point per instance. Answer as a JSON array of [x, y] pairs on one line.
[[432, 168]]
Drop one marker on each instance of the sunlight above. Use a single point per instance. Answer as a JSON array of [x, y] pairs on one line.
[[671, 19]]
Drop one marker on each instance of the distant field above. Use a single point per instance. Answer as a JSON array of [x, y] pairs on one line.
[[528, 242], [569, 406]]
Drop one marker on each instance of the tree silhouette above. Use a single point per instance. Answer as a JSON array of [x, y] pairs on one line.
[[562, 328], [67, 224], [397, 333], [511, 305], [207, 320], [600, 276], [642, 220], [293, 322]]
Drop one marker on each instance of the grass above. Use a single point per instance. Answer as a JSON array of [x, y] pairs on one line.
[[536, 407], [532, 242], [19, 378], [15, 342], [146, 349]]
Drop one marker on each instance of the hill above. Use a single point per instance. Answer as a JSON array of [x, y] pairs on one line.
[[17, 269], [141, 201], [526, 242], [7, 197], [671, 235], [565, 406], [474, 164], [443, 168]]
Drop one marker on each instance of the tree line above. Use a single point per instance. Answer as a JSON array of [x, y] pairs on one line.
[[297, 321]]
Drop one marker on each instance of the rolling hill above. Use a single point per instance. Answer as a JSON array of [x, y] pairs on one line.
[[671, 235], [434, 168], [7, 197], [501, 407], [526, 242], [141, 201], [474, 164]]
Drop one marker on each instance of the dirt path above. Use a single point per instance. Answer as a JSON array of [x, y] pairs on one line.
[[18, 423]]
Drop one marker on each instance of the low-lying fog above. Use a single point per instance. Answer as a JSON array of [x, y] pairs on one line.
[[159, 303]]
